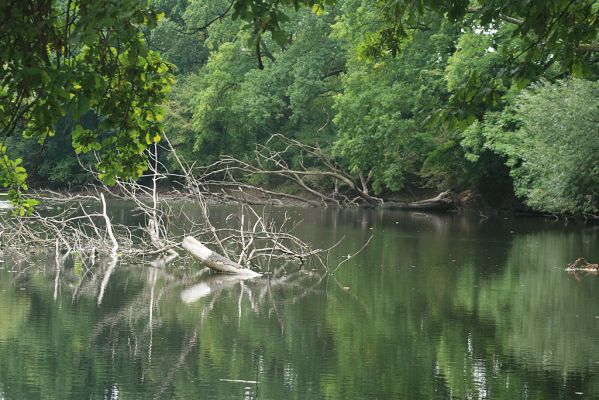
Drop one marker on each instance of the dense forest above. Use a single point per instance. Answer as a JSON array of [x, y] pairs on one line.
[[498, 97]]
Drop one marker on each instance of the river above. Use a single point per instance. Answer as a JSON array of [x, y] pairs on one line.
[[435, 307]]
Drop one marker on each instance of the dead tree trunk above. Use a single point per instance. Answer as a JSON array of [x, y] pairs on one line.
[[445, 201], [213, 260]]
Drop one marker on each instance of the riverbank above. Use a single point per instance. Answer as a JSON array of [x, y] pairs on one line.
[[423, 200]]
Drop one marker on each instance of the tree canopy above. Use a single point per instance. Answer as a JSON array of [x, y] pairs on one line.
[[405, 94], [65, 60]]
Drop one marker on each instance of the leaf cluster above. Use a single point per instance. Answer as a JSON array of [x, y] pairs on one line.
[[74, 59]]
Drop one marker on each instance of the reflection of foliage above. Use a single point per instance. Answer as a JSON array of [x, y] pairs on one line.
[[14, 310], [532, 313], [492, 333], [400, 320], [548, 323]]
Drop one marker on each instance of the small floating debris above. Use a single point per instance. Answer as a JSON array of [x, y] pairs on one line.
[[582, 265]]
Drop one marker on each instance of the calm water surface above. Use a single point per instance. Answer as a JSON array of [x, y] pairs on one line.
[[436, 307]]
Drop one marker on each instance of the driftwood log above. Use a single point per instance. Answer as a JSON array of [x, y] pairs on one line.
[[213, 260], [445, 201]]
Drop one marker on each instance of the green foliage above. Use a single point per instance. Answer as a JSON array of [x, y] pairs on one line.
[[175, 37], [405, 94], [384, 113], [13, 175], [75, 58], [408, 115], [270, 15], [562, 30], [446, 166], [473, 76], [549, 138], [218, 129], [53, 163], [230, 104]]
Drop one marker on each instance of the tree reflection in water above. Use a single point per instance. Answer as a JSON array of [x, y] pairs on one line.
[[401, 320]]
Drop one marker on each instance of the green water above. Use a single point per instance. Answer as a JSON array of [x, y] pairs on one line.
[[435, 307]]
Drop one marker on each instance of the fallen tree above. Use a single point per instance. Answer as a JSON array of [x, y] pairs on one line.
[[312, 170], [249, 239], [444, 201], [315, 173]]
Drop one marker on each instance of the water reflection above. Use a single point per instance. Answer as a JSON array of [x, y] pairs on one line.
[[435, 307]]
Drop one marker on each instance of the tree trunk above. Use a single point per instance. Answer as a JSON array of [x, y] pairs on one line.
[[445, 201], [213, 260]]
